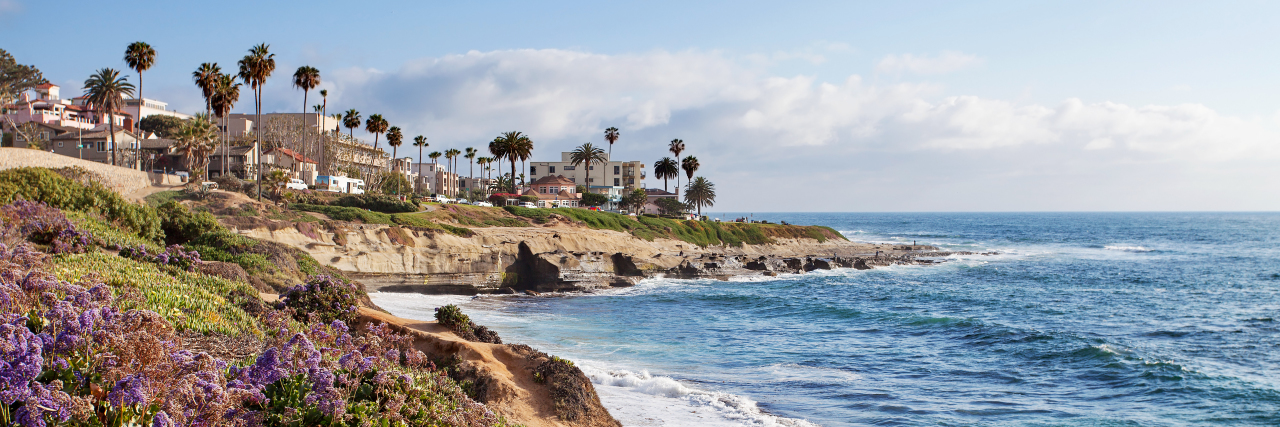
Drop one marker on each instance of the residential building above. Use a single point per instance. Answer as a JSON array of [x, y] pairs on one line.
[[296, 164], [48, 107], [434, 178], [554, 191], [141, 108], [96, 144], [629, 175], [651, 197], [246, 121], [240, 161]]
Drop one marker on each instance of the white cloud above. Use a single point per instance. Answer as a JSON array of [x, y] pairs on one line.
[[762, 133], [924, 64]]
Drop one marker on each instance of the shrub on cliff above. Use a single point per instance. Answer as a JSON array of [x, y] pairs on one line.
[[376, 202], [324, 297], [47, 186], [450, 316], [39, 223], [180, 225]]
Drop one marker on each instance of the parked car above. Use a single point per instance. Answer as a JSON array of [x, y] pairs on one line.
[[528, 205], [441, 199], [295, 184], [462, 202], [483, 204]]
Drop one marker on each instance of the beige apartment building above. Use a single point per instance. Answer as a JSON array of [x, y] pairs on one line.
[[629, 175]]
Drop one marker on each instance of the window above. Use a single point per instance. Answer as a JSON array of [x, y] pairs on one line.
[[591, 168], [569, 168], [102, 146], [59, 144], [551, 169], [616, 182], [617, 170], [533, 170]]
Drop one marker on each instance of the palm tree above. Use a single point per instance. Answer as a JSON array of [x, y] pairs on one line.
[[352, 121], [394, 139], [420, 142], [206, 78], [226, 92], [513, 146], [255, 68], [196, 140], [690, 165], [375, 124], [700, 192], [666, 168], [676, 147], [499, 148], [106, 91], [471, 157], [435, 155], [452, 155], [306, 78], [611, 134], [140, 57], [587, 153], [324, 112]]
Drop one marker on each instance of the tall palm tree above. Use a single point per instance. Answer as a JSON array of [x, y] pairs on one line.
[[307, 78], [514, 146], [499, 148], [324, 112], [587, 153], [471, 157], [394, 139], [206, 78], [226, 93], [700, 192], [611, 134], [690, 165], [255, 68], [420, 142], [676, 147], [452, 155], [666, 168], [434, 156], [352, 121], [140, 57], [106, 90], [375, 125]]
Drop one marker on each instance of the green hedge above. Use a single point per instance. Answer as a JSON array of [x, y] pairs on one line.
[[46, 185], [376, 202]]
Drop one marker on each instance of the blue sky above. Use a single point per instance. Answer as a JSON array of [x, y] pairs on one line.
[[824, 106]]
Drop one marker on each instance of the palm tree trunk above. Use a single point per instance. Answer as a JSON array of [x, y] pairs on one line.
[[257, 137], [137, 151], [111, 126]]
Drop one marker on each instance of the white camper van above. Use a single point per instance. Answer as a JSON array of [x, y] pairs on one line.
[[339, 184]]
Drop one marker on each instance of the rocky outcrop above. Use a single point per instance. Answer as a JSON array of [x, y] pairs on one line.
[[556, 259]]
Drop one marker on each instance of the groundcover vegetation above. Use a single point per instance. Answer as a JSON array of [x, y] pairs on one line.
[[702, 233], [92, 334]]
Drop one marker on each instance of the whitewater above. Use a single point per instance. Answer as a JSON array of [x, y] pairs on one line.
[[1081, 319]]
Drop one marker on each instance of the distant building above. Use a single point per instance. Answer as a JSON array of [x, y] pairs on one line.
[[652, 195], [629, 175], [296, 164], [434, 178], [142, 108], [554, 191], [48, 107]]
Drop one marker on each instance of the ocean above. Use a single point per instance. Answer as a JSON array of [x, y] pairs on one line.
[[1082, 319]]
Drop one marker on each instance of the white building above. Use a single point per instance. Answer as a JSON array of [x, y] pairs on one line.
[[141, 108], [629, 175]]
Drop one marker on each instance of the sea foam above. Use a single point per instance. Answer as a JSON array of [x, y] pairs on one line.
[[642, 399]]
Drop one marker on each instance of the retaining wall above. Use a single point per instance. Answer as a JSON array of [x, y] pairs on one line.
[[122, 180]]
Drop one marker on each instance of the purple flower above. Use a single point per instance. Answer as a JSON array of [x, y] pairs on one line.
[[21, 360], [161, 420], [132, 390]]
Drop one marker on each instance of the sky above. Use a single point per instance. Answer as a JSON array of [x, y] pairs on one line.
[[788, 106]]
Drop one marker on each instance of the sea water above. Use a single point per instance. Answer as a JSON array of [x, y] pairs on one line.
[[1082, 319]]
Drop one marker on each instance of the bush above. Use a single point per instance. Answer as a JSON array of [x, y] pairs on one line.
[[173, 255], [528, 199], [342, 213], [450, 316], [41, 224], [45, 185], [180, 225], [594, 199], [376, 202], [229, 182], [324, 297]]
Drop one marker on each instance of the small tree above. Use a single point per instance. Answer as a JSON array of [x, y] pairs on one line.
[[161, 125], [670, 206], [395, 183], [594, 199], [635, 201]]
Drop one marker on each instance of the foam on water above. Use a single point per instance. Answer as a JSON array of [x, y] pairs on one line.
[[635, 399], [1127, 248]]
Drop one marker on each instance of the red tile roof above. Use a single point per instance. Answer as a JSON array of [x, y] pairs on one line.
[[293, 154]]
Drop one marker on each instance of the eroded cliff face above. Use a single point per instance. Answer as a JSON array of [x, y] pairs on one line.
[[560, 258]]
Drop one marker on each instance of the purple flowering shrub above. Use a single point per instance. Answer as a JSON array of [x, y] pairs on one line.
[[41, 224], [322, 299], [173, 255], [70, 356]]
